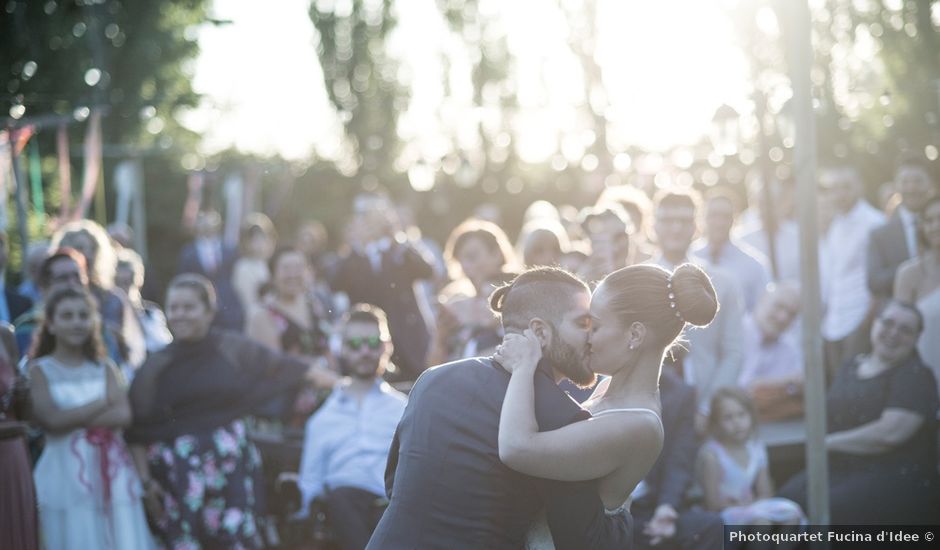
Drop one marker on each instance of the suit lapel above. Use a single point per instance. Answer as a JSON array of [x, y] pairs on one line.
[[897, 239]]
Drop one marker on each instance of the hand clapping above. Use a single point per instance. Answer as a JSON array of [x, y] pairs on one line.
[[519, 351]]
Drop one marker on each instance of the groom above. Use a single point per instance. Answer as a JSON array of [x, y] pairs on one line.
[[446, 485]]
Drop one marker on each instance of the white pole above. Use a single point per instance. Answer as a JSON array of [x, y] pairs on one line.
[[801, 62]]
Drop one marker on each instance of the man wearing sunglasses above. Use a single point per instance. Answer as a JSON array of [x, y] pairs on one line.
[[346, 441]]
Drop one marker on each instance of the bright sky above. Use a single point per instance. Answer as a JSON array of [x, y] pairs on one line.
[[263, 82], [667, 66]]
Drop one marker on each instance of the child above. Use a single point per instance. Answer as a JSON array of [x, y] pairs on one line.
[[733, 470], [88, 492]]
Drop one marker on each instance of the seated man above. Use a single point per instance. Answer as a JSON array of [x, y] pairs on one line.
[[773, 361], [347, 440]]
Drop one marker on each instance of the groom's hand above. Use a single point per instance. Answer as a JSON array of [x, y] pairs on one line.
[[519, 351]]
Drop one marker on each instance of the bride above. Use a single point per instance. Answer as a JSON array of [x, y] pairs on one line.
[[637, 314]]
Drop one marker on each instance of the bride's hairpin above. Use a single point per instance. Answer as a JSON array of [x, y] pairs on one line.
[[672, 299]]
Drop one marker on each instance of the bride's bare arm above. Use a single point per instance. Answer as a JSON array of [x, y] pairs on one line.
[[577, 452]]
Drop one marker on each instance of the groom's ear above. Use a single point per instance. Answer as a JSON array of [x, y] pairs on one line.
[[542, 331]]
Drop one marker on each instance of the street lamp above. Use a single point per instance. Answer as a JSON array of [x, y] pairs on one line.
[[726, 130]]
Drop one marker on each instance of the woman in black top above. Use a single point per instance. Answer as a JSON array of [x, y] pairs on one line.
[[882, 412], [200, 472]]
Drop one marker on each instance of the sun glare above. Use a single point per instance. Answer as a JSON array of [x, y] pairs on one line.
[[665, 67], [262, 82]]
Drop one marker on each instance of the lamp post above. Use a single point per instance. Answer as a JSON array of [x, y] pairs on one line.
[[725, 130], [800, 60]]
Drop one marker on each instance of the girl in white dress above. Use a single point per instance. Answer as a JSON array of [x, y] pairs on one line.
[[88, 492], [733, 469], [636, 314]]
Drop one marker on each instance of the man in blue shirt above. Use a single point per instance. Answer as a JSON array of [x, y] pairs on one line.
[[346, 442], [747, 265]]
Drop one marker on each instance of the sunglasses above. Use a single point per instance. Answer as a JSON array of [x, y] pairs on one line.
[[357, 342]]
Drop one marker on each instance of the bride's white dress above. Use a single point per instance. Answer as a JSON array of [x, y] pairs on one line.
[[539, 536]]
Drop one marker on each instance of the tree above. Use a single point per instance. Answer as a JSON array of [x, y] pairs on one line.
[[361, 79], [130, 58], [876, 74]]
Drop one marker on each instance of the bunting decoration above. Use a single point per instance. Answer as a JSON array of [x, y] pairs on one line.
[[92, 169], [6, 178], [35, 180], [65, 170], [195, 183]]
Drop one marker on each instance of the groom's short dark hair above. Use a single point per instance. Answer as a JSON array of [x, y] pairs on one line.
[[543, 292]]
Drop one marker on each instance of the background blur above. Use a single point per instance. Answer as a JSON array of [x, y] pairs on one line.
[[293, 106]]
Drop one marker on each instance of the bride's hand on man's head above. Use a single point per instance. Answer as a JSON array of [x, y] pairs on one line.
[[519, 351]]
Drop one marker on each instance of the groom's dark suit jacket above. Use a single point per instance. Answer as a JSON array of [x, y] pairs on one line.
[[447, 487]]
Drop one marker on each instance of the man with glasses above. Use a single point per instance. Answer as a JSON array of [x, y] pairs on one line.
[[716, 352], [347, 440]]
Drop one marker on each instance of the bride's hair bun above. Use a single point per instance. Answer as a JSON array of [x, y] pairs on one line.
[[696, 299]]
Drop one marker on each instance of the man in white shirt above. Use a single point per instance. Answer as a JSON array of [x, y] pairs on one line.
[[895, 242], [716, 351], [745, 264], [843, 253], [346, 441]]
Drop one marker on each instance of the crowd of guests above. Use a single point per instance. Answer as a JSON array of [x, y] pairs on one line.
[[129, 425]]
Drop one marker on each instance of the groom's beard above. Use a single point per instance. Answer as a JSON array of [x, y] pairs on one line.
[[567, 360]]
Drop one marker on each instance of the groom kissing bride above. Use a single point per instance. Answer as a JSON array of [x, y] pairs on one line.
[[490, 453]]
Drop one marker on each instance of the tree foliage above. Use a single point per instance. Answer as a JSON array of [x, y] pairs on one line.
[[131, 58], [361, 79]]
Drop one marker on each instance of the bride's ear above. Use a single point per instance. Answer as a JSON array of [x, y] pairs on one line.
[[636, 335], [542, 331]]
